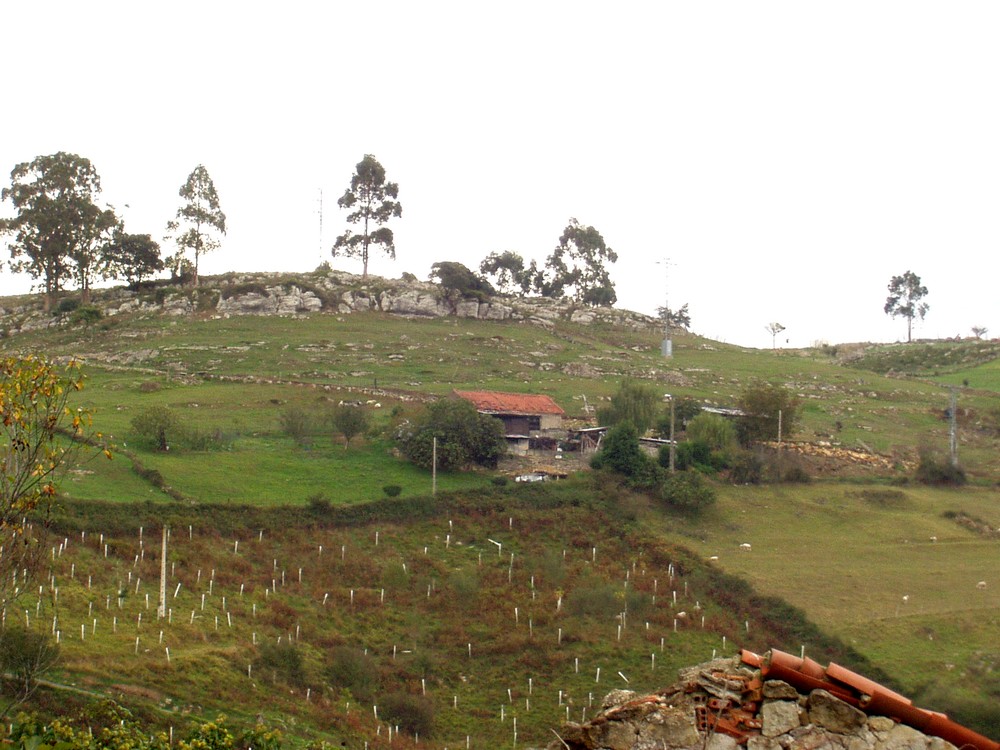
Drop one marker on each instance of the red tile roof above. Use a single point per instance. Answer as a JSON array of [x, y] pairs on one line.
[[511, 403]]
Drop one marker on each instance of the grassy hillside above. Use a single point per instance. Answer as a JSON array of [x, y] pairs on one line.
[[528, 603], [844, 551]]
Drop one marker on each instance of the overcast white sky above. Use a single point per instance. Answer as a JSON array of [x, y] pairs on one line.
[[788, 157]]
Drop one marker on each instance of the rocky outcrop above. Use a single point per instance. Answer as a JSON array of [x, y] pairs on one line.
[[725, 704], [335, 293]]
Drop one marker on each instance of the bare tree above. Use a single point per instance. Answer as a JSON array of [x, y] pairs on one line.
[[774, 329]]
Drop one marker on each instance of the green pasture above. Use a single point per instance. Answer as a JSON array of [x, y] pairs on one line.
[[881, 567], [235, 374]]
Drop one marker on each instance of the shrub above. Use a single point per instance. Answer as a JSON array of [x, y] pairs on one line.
[[410, 712], [687, 492], [761, 405], [746, 468], [715, 431], [685, 410], [66, 305], [282, 661], [392, 490], [354, 670], [934, 469], [883, 498], [499, 481], [319, 504], [687, 454], [85, 315], [463, 435], [155, 425], [620, 452], [633, 402], [26, 655], [296, 423]]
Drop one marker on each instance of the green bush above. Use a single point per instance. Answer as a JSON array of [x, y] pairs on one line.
[[392, 490], [154, 426], [620, 452], [411, 713], [687, 492], [633, 402], [296, 423], [281, 662], [354, 670], [687, 454], [66, 305], [935, 469], [746, 468], [715, 431], [85, 315], [319, 504], [25, 656], [464, 436], [764, 405]]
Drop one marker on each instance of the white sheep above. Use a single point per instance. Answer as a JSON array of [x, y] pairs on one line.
[[981, 585], [745, 547]]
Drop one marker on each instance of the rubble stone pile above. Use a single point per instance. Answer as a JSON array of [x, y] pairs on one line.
[[727, 703]]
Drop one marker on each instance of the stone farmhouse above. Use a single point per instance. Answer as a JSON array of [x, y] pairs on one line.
[[524, 415]]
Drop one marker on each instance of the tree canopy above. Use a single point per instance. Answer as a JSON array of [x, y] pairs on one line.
[[679, 318], [507, 270], [633, 402], [464, 436], [57, 226], [372, 202], [198, 219], [132, 257], [578, 266], [34, 454], [766, 407], [905, 300], [458, 281]]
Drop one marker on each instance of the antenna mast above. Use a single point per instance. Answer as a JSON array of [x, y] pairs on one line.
[[321, 224], [667, 348]]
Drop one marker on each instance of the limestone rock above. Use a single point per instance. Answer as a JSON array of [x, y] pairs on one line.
[[780, 690], [670, 726], [829, 712], [779, 717]]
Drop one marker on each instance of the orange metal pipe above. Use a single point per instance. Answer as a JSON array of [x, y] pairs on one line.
[[871, 697], [862, 684]]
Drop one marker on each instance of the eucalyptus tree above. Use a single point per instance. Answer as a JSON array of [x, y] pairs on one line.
[[372, 202], [199, 219], [578, 263], [57, 226], [506, 269], [905, 300]]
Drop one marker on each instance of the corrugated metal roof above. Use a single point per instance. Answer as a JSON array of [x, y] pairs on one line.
[[511, 403]]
